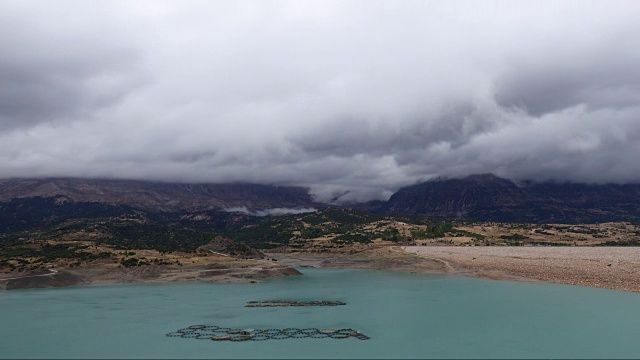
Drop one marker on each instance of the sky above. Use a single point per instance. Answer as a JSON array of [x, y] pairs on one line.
[[353, 99]]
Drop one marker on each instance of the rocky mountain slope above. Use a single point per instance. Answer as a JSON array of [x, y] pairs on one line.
[[158, 196], [490, 198]]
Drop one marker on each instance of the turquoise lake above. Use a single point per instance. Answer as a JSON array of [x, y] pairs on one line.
[[406, 316]]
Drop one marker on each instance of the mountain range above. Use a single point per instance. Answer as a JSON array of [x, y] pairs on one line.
[[157, 196], [477, 197]]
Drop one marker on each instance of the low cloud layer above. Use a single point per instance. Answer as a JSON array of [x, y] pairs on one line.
[[272, 212], [353, 99]]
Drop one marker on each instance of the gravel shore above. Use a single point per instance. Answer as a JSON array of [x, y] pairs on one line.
[[605, 267]]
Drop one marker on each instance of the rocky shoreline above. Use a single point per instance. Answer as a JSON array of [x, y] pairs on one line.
[[603, 267], [240, 271]]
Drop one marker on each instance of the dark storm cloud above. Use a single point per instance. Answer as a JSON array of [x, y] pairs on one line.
[[39, 93], [52, 70], [605, 77], [352, 98], [348, 137]]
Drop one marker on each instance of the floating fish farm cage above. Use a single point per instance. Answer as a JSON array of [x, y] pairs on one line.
[[216, 333], [285, 303]]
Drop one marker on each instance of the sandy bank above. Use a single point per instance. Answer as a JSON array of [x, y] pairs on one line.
[[605, 267]]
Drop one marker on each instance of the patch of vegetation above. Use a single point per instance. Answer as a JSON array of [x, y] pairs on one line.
[[620, 243], [391, 234], [345, 217], [469, 234], [130, 262], [514, 237], [49, 252], [432, 231], [547, 243], [262, 236], [128, 235], [314, 219], [38, 213], [312, 232], [583, 231], [351, 238]]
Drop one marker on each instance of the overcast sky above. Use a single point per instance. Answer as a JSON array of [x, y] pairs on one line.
[[353, 99]]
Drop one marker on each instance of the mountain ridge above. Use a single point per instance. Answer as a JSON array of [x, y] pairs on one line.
[[487, 197], [159, 196], [482, 197]]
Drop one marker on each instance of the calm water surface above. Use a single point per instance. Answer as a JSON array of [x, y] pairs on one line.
[[406, 315]]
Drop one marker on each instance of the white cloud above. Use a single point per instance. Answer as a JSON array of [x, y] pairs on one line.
[[350, 98], [272, 211]]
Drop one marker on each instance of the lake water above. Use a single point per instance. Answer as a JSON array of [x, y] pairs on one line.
[[406, 316]]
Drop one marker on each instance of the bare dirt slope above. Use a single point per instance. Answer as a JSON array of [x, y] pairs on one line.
[[214, 270]]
